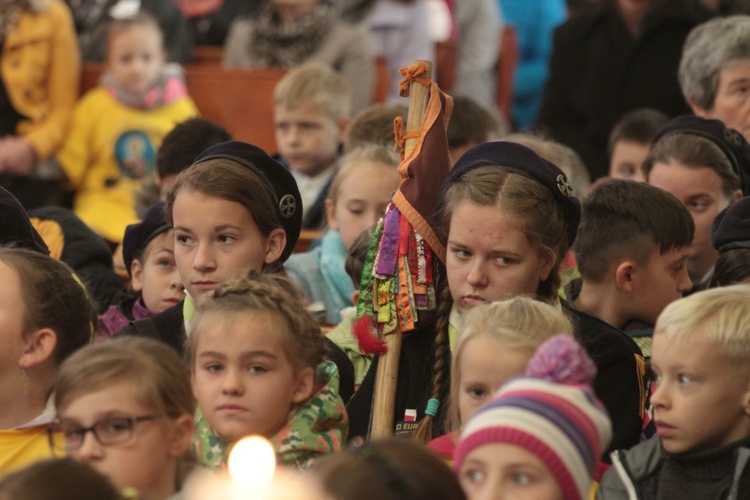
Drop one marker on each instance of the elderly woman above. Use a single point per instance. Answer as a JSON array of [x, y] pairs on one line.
[[39, 65], [715, 71]]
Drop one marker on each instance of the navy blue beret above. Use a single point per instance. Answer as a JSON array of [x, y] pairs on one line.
[[732, 143], [731, 227], [521, 160], [15, 226], [137, 236], [279, 179]]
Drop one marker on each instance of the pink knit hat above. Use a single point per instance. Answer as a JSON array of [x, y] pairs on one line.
[[551, 412]]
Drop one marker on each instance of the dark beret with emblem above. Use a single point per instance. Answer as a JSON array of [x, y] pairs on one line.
[[279, 179], [731, 142], [15, 225], [137, 236], [731, 227], [521, 160]]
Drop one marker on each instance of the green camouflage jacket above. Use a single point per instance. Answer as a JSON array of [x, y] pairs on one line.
[[319, 427]]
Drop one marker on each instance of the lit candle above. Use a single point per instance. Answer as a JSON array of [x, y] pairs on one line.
[[252, 464]]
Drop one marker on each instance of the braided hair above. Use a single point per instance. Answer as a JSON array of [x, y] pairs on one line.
[[544, 224], [270, 293]]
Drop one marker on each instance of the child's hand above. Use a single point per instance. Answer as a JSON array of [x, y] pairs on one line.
[[17, 157]]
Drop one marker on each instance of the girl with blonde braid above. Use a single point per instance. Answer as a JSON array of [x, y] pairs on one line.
[[258, 366]]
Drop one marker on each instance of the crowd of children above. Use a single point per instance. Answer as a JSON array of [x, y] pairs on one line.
[[582, 340]]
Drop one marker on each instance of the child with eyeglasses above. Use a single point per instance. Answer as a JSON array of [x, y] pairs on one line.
[[125, 407]]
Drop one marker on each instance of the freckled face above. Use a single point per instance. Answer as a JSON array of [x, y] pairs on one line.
[[489, 257]]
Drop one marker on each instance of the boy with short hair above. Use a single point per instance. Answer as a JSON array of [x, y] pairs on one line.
[[632, 245], [471, 124], [312, 109], [182, 145], [701, 401], [148, 254], [374, 125], [629, 142]]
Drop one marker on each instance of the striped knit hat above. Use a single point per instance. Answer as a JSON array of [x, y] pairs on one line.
[[552, 413]]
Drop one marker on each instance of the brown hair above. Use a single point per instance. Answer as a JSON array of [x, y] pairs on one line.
[[228, 180], [694, 151], [53, 297], [268, 293], [388, 469], [732, 267], [542, 220], [639, 125], [155, 371], [471, 123], [374, 125], [623, 218], [541, 217], [355, 261], [57, 479]]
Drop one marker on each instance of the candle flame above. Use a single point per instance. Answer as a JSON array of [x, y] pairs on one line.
[[252, 462]]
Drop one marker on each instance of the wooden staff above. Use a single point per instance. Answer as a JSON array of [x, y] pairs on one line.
[[383, 405]]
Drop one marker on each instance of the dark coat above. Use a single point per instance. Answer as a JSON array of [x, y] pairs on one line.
[[598, 72], [620, 373]]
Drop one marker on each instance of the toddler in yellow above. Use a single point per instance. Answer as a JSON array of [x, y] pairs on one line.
[[118, 126]]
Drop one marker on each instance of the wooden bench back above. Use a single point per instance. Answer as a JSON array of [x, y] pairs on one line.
[[238, 99]]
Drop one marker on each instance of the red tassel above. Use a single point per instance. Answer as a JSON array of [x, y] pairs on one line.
[[369, 343]]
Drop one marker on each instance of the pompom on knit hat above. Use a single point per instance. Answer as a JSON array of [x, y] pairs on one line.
[[551, 412]]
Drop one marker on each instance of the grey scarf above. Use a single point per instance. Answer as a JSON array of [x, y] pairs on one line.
[[283, 45]]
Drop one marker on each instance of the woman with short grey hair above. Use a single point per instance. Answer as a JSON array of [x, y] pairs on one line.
[[714, 71]]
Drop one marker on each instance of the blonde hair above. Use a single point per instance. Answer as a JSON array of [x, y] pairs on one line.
[[719, 315], [315, 83], [154, 370], [272, 294], [520, 324], [354, 160]]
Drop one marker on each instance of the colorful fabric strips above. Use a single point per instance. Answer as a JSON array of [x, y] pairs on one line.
[[400, 273]]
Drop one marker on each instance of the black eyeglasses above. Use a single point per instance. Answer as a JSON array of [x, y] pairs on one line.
[[108, 431]]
